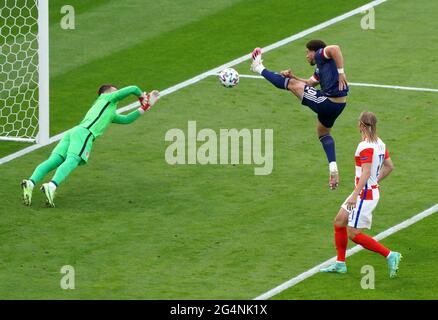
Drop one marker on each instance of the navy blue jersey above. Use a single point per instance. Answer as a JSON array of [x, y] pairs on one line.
[[327, 75]]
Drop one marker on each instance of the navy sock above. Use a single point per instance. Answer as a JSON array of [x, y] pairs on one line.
[[276, 79], [328, 143]]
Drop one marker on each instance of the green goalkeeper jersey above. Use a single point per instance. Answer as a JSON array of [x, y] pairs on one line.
[[103, 112]]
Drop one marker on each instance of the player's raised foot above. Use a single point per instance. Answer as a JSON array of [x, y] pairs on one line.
[[257, 62], [394, 259], [49, 191], [337, 267], [27, 187]]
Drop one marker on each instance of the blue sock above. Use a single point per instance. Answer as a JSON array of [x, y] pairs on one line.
[[328, 143], [276, 79]]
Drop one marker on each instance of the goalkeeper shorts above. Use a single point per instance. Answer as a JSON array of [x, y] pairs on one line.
[[76, 141]]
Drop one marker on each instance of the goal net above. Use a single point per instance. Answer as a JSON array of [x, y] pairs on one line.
[[24, 82]]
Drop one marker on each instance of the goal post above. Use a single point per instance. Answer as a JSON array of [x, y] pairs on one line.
[[24, 70], [43, 72]]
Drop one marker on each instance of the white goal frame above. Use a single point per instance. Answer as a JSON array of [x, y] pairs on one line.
[[42, 137]]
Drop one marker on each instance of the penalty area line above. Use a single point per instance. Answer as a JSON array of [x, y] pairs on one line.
[[307, 274], [360, 84]]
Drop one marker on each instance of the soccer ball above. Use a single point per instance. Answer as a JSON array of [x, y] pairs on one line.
[[229, 77]]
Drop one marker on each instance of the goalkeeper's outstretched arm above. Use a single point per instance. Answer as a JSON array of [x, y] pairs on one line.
[[121, 94], [146, 102], [127, 119]]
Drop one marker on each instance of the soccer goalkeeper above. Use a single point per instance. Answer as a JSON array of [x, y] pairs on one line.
[[75, 147]]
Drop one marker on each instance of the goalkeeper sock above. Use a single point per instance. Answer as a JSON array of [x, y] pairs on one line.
[[44, 168], [369, 243], [341, 241], [65, 169], [276, 79]]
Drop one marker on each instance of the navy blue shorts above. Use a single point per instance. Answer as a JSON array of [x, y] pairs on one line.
[[326, 110]]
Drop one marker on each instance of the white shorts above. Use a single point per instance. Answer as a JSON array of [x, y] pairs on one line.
[[362, 215]]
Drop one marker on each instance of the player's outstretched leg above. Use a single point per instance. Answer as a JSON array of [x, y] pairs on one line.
[[393, 258], [40, 172], [257, 66], [49, 189]]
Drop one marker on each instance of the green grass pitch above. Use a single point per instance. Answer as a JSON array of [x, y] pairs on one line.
[[135, 227]]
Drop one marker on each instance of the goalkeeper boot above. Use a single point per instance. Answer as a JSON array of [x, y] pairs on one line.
[[27, 187], [49, 191], [394, 259], [337, 267], [257, 62]]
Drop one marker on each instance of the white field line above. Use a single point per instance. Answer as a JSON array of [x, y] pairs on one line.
[[17, 139], [360, 84], [315, 270], [216, 70]]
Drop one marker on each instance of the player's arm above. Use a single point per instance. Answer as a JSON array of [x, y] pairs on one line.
[[127, 119], [145, 104], [121, 94], [366, 173], [387, 168], [334, 52], [312, 81]]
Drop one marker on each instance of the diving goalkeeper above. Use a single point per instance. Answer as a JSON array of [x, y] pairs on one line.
[[75, 147]]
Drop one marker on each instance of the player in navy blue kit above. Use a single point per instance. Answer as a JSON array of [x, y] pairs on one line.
[[328, 103]]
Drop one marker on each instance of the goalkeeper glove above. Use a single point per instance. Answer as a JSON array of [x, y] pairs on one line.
[[148, 100]]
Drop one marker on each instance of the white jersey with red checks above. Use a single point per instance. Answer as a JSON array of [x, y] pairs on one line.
[[374, 153]]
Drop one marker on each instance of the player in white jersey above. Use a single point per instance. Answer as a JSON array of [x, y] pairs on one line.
[[373, 164]]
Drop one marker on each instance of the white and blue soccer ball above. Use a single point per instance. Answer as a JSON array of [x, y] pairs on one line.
[[229, 77]]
